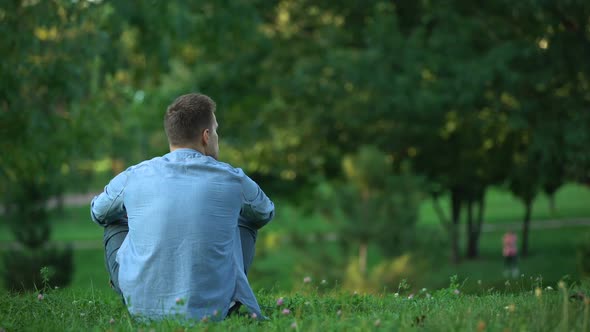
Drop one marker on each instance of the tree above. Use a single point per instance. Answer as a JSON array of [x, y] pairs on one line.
[[46, 81], [372, 205]]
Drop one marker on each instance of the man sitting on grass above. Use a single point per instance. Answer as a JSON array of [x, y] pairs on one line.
[[180, 229]]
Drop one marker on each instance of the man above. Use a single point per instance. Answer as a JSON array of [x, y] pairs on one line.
[[180, 229]]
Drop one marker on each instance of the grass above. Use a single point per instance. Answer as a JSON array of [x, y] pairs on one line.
[[311, 309], [552, 256]]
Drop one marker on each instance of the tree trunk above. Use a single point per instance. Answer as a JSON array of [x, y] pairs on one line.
[[472, 235], [474, 231], [60, 204], [480, 215], [551, 198], [363, 258], [525, 228], [456, 215]]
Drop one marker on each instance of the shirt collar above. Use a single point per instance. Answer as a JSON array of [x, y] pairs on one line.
[[185, 152]]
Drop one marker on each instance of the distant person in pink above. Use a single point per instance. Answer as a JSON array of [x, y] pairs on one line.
[[510, 252]]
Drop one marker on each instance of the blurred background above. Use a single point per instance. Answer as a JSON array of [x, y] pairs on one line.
[[400, 140]]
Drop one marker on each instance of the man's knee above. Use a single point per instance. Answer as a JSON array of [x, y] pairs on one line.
[[248, 232], [115, 229], [114, 235], [248, 240]]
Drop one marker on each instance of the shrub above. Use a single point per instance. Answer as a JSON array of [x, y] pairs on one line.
[[22, 267], [26, 214]]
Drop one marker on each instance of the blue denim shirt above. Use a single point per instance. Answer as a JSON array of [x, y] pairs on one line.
[[183, 254]]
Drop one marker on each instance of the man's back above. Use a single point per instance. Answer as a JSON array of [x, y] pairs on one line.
[[183, 254]]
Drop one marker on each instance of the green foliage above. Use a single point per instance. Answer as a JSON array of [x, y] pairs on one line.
[[48, 82], [26, 215], [374, 204], [25, 270], [28, 220]]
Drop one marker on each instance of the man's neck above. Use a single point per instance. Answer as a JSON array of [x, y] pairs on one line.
[[193, 147]]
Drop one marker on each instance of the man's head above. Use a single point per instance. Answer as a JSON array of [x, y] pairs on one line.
[[190, 123]]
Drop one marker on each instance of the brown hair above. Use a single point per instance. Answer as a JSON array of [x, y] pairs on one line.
[[187, 117]]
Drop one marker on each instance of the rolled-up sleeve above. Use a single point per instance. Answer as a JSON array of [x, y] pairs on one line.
[[108, 206], [257, 209]]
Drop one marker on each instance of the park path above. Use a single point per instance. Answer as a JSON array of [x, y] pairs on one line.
[[537, 224], [68, 200], [73, 200]]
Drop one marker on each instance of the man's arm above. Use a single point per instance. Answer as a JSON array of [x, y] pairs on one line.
[[108, 206], [257, 208]]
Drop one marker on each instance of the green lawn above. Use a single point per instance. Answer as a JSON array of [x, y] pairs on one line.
[[552, 257], [446, 309]]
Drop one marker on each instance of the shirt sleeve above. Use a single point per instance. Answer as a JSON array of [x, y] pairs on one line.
[[257, 209], [108, 206]]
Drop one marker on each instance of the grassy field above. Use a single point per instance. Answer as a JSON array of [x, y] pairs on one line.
[[558, 308], [553, 256]]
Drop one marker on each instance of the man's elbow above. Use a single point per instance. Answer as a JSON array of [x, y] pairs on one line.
[[256, 219], [97, 218], [265, 219], [97, 214]]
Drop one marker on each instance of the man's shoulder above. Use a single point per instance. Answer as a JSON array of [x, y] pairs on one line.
[[226, 167], [142, 165], [205, 160]]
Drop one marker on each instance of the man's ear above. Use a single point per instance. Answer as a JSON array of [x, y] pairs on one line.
[[205, 137]]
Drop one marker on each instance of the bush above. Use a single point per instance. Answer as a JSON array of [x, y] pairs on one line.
[[25, 203], [21, 268]]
